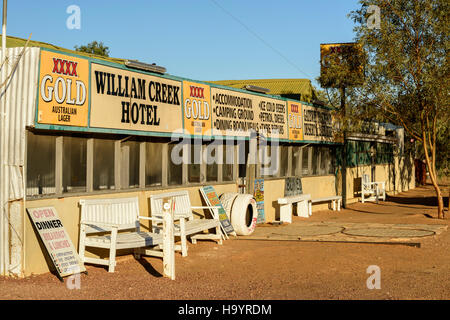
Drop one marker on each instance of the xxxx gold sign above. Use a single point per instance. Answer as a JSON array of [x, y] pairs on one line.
[[63, 96], [295, 120], [196, 108], [122, 99]]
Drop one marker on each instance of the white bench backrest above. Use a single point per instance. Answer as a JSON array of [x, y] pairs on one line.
[[182, 203], [366, 182], [121, 211]]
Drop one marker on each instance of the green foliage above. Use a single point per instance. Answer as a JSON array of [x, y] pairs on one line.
[[406, 72], [94, 47]]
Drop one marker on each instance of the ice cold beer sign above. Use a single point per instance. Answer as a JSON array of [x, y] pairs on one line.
[[63, 97]]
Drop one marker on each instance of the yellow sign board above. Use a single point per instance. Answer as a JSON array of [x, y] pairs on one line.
[[345, 55], [196, 108], [237, 114], [63, 94], [122, 99], [295, 121], [317, 124]]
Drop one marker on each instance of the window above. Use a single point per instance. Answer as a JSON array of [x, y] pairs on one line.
[[153, 163], [195, 160], [296, 161], [130, 164], [243, 151], [384, 153], [41, 155], [305, 161], [103, 164], [228, 161], [315, 160], [269, 160], [212, 169], [74, 164], [284, 160], [332, 160], [324, 160], [174, 170]]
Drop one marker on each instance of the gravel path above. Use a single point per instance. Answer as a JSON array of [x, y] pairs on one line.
[[275, 269]]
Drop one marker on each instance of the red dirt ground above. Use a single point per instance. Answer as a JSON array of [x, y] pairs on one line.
[[276, 270]]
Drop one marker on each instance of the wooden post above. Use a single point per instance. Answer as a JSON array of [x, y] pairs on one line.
[[168, 238], [344, 151]]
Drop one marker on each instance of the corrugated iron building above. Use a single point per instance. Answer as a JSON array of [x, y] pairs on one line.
[[53, 163]]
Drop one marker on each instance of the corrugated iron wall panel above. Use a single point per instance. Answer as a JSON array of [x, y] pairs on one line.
[[19, 96]]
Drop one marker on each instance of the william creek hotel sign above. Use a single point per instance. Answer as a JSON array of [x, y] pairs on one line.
[[87, 94]]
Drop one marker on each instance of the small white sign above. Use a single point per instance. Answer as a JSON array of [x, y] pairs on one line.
[[56, 241]]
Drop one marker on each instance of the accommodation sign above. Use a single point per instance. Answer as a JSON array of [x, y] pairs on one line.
[[236, 114], [56, 240], [122, 99], [63, 95], [317, 124]]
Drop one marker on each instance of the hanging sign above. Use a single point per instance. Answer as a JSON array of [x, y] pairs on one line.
[[56, 241], [341, 64], [63, 94], [295, 121], [317, 124], [123, 99], [196, 108]]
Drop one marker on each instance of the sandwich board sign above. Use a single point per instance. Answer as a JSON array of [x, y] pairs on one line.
[[210, 196], [56, 241]]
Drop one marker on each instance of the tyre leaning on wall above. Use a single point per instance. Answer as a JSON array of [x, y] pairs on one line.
[[241, 209]]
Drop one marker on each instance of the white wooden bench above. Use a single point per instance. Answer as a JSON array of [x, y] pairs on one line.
[[375, 190], [332, 199], [286, 206], [102, 225], [187, 226]]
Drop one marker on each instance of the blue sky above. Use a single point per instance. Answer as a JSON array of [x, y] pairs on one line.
[[197, 39]]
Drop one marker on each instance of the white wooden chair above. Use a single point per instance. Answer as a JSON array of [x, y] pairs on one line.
[[102, 224], [374, 190], [187, 225]]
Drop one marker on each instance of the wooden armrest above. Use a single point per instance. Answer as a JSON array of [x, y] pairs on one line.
[[150, 218], [160, 219], [105, 224], [204, 207]]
